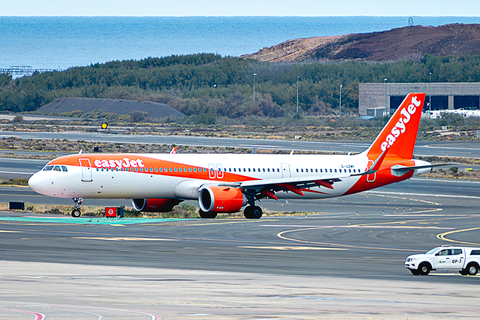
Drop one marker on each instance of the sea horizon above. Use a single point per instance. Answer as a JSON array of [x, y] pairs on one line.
[[61, 42]]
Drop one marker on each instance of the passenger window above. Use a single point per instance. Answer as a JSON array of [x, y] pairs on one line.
[[268, 169]]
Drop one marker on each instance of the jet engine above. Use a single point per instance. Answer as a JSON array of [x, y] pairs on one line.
[[155, 205], [221, 199]]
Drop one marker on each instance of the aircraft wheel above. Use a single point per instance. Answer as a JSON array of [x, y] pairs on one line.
[[76, 213], [253, 212], [207, 215]]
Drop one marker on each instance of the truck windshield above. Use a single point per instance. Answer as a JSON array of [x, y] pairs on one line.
[[433, 251]]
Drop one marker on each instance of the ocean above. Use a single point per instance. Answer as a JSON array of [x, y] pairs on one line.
[[64, 42]]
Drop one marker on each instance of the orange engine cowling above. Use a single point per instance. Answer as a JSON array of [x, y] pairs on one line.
[[221, 199], [155, 205]]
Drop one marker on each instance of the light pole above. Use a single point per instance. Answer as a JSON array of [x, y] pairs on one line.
[[385, 93], [430, 93], [254, 87], [340, 104], [298, 77]]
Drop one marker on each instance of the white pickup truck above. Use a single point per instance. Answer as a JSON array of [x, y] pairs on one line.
[[465, 260]]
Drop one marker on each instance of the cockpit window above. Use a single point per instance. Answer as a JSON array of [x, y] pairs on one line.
[[64, 169], [57, 168], [48, 168]]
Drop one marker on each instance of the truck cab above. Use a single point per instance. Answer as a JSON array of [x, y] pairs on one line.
[[464, 259]]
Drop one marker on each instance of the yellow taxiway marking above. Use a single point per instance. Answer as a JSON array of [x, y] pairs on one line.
[[442, 236], [123, 239], [290, 248], [282, 236]]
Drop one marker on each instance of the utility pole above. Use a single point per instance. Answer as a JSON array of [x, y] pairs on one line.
[[254, 87], [298, 77], [340, 104], [430, 93], [385, 93]]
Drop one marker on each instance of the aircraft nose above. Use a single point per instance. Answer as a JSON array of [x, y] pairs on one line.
[[35, 182]]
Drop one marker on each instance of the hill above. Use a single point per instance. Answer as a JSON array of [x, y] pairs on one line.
[[401, 44], [120, 107]]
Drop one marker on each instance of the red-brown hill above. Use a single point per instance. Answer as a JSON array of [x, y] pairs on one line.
[[408, 43]]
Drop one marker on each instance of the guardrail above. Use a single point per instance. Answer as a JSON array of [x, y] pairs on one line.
[[24, 70]]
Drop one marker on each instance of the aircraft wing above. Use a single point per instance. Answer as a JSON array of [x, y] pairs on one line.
[[299, 185], [268, 187]]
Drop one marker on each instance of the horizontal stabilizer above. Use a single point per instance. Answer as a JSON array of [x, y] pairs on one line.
[[404, 168]]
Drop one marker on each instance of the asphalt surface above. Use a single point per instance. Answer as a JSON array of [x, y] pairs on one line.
[[336, 258], [441, 148], [364, 238]]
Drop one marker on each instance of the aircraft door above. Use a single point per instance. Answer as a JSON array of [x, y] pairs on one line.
[[285, 170], [86, 169], [371, 177]]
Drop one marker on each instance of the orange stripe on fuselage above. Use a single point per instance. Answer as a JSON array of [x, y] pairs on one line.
[[383, 176], [141, 164]]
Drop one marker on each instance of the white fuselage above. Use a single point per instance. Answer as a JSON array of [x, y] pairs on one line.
[[110, 181]]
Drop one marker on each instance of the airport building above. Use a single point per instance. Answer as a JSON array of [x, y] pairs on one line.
[[377, 99]]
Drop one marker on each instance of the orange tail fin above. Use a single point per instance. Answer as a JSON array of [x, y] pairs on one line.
[[400, 133]]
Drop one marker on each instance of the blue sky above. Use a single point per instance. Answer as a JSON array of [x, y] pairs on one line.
[[239, 8]]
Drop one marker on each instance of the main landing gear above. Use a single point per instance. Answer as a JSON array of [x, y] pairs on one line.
[[76, 213], [253, 212]]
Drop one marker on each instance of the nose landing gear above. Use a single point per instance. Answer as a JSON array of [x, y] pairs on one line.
[[76, 213]]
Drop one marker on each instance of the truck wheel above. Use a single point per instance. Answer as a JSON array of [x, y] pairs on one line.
[[424, 268], [472, 268]]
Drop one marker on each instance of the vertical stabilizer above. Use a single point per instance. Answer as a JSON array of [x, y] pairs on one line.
[[400, 133]]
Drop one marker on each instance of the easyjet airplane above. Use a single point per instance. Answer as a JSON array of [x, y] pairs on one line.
[[226, 183]]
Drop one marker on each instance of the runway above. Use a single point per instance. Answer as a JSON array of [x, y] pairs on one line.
[[344, 261], [423, 148]]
